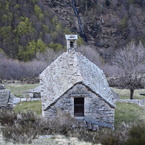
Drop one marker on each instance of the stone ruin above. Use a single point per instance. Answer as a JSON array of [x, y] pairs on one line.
[[6, 98], [33, 93]]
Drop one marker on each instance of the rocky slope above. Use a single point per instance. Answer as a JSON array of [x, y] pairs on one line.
[[108, 24]]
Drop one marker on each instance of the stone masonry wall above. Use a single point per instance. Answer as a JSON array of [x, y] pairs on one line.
[[6, 100], [95, 109]]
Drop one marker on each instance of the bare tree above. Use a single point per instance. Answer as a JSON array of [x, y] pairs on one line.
[[49, 55], [129, 63], [92, 54], [14, 69]]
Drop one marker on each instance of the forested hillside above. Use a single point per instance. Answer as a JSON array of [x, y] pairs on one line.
[[28, 27], [106, 24]]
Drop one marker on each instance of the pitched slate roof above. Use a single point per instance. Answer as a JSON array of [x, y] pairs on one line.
[[69, 69]]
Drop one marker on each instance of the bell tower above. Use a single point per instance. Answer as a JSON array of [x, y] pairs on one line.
[[71, 42]]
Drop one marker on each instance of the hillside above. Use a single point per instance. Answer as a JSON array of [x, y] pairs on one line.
[[108, 24], [30, 26]]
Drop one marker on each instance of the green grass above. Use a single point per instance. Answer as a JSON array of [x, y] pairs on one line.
[[128, 113], [34, 106], [125, 93], [19, 89]]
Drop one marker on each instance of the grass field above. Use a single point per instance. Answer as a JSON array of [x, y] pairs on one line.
[[125, 93], [19, 89], [34, 106], [128, 113]]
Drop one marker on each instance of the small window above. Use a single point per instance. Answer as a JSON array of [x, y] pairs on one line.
[[36, 95], [71, 44], [78, 107]]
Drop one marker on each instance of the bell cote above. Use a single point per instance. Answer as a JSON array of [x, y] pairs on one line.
[[71, 42]]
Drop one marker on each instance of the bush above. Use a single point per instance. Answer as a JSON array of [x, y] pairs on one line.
[[137, 134], [112, 138], [24, 127], [13, 69], [19, 134], [7, 117], [61, 124], [21, 127], [105, 136]]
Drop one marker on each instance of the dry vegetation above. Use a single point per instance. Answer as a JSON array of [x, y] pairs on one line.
[[24, 127], [127, 66]]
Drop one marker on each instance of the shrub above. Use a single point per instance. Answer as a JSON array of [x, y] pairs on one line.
[[21, 127], [137, 134], [105, 136], [7, 117], [8, 69], [86, 135], [22, 134], [61, 124], [111, 137]]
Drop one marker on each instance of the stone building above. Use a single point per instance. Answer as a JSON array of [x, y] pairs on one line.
[[33, 93], [6, 99], [76, 86]]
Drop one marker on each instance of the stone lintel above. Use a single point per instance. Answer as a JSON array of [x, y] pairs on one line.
[[79, 95]]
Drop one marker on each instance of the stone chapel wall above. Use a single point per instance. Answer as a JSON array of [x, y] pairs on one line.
[[95, 108]]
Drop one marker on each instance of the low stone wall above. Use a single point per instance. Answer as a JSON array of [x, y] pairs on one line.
[[135, 101], [24, 81]]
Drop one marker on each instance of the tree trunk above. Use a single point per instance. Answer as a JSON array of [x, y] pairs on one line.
[[131, 93]]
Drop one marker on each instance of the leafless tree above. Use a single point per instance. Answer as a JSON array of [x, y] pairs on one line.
[[14, 69], [129, 63], [92, 54], [49, 55]]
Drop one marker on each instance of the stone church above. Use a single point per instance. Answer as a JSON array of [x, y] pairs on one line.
[[75, 85]]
